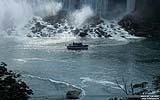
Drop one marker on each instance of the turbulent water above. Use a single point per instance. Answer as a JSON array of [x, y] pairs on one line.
[[34, 46], [23, 18], [51, 70]]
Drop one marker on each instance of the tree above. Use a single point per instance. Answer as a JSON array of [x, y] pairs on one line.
[[10, 87]]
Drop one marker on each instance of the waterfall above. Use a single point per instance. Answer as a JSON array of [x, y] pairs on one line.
[[14, 14], [100, 7], [33, 18], [79, 16], [130, 5]]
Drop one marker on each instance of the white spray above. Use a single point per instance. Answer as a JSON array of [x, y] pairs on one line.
[[130, 5], [47, 8], [14, 14], [78, 17]]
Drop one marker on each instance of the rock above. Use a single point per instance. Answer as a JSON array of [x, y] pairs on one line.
[[11, 87], [95, 20], [74, 94], [136, 26], [43, 35], [145, 20], [76, 31], [83, 34], [59, 18]]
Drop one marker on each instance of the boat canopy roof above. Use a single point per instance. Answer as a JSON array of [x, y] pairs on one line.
[[77, 43]]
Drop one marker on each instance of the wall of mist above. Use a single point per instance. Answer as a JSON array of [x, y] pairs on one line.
[[102, 8]]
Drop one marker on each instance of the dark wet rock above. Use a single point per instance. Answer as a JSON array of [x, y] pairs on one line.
[[108, 35], [138, 26], [56, 25], [66, 28], [38, 27], [44, 35], [123, 36], [59, 18], [75, 94], [156, 83], [76, 31], [95, 20], [10, 87], [60, 31], [28, 35], [94, 27], [83, 34], [145, 20], [71, 27]]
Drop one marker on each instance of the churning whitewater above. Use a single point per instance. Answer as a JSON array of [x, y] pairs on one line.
[[23, 18], [47, 19], [35, 36]]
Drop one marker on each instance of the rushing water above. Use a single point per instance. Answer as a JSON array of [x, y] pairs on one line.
[[50, 69]]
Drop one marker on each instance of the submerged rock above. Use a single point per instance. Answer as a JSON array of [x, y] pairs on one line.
[[74, 94]]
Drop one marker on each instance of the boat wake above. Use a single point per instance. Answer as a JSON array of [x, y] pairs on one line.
[[60, 86], [31, 59], [101, 82]]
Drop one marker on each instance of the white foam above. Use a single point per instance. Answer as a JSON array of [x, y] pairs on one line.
[[102, 82], [26, 12], [47, 41], [115, 31], [24, 60], [20, 60], [54, 35], [57, 82]]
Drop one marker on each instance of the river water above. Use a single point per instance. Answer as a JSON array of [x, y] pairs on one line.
[[51, 70]]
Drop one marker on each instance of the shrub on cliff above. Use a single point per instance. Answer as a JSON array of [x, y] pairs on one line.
[[10, 87], [156, 84]]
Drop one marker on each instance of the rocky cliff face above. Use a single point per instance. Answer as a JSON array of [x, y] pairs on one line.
[[149, 9], [145, 20]]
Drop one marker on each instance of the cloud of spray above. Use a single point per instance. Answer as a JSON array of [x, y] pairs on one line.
[[48, 9], [14, 14], [78, 17]]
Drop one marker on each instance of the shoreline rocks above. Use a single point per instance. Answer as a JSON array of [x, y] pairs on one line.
[[144, 21], [12, 88], [73, 94], [138, 26]]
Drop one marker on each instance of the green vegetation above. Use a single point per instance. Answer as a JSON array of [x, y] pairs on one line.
[[12, 88]]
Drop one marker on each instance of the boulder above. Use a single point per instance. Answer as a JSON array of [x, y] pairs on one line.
[[73, 94]]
